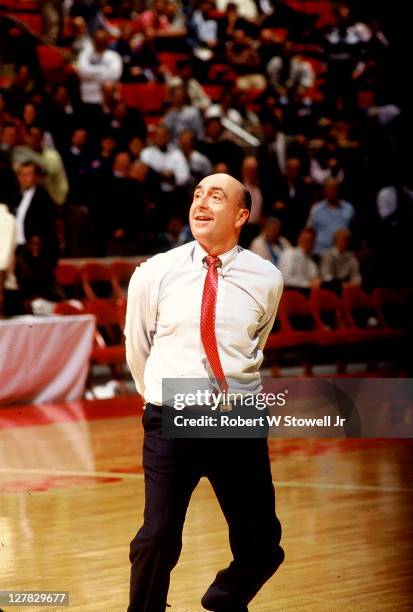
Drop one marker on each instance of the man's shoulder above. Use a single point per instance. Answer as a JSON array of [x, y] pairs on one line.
[[256, 264], [162, 262]]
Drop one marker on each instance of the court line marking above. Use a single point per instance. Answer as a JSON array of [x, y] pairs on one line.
[[287, 484]]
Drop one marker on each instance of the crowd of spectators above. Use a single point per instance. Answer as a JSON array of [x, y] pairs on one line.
[[260, 89]]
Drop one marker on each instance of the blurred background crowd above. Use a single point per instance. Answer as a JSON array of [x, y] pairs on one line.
[[111, 112]]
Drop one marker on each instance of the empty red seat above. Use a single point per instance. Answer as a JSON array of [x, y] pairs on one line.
[[121, 272], [96, 280], [147, 97]]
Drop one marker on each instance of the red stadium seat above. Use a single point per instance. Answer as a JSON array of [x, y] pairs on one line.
[[298, 329], [52, 60], [68, 278], [395, 307], [363, 316], [69, 307], [121, 272], [214, 91], [147, 97], [96, 280], [170, 60], [109, 345]]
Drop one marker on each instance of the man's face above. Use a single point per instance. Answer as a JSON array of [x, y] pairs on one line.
[[331, 190], [34, 138], [216, 216], [27, 178], [306, 241], [101, 41], [9, 136], [79, 138], [161, 136]]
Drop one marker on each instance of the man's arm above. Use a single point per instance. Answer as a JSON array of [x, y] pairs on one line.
[[267, 321], [140, 323]]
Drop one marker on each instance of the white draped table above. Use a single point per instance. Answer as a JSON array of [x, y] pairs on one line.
[[44, 359]]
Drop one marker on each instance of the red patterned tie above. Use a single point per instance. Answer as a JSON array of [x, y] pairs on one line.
[[209, 302]]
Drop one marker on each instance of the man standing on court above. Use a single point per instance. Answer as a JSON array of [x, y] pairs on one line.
[[203, 311]]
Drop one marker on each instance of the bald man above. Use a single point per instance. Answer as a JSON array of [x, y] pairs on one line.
[[204, 311]]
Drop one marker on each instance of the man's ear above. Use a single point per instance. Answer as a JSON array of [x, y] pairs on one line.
[[243, 216]]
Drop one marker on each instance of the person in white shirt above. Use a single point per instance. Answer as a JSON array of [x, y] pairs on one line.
[[270, 244], [8, 243], [167, 161], [97, 66], [298, 268], [203, 311]]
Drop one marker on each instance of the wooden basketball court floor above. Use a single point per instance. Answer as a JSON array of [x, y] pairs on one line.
[[72, 498]]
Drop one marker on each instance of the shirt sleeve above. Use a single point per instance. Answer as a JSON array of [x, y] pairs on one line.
[[140, 322], [8, 241], [267, 320]]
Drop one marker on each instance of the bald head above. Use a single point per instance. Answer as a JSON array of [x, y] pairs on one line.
[[243, 195]]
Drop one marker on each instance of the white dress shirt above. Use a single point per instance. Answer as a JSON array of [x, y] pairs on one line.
[[170, 160], [298, 269], [96, 68], [163, 318], [8, 231], [21, 213]]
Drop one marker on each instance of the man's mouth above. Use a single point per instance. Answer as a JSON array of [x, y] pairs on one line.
[[202, 218]]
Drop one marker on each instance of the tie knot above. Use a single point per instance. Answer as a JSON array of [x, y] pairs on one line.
[[212, 262]]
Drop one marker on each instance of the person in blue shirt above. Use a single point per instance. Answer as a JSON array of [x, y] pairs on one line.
[[329, 215]]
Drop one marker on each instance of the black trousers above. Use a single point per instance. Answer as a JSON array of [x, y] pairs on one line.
[[239, 472]]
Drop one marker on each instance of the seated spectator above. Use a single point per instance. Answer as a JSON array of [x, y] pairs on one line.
[[225, 109], [326, 162], [181, 116], [195, 91], [204, 30], [177, 20], [60, 117], [292, 199], [242, 55], [290, 70], [77, 161], [79, 38], [124, 121], [250, 180], [175, 235], [271, 156], [339, 266], [35, 274], [155, 18], [135, 146], [8, 140], [104, 158], [35, 211], [270, 244], [23, 87], [123, 46], [49, 160], [329, 215], [9, 293], [296, 264], [199, 165], [241, 17], [172, 169], [166, 160], [145, 64]]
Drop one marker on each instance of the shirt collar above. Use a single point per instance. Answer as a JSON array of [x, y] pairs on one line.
[[227, 258]]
